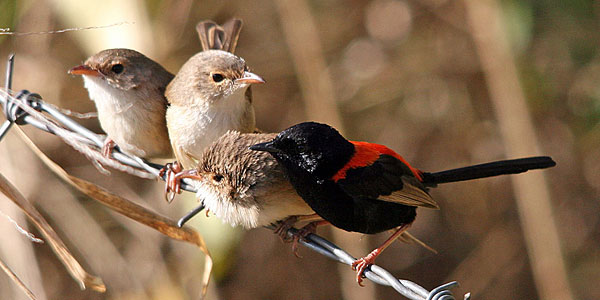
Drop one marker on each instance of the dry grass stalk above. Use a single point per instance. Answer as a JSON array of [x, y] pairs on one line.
[[73, 267], [14, 277], [517, 130]]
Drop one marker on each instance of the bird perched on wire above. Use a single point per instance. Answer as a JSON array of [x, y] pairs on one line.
[[365, 187], [210, 94], [128, 90], [244, 187]]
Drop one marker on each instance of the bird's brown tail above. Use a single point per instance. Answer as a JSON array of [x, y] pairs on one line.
[[214, 36], [503, 167]]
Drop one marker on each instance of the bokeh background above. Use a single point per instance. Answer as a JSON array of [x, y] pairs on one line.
[[445, 83]]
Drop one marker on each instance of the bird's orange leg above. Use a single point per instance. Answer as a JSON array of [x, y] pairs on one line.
[[361, 264]]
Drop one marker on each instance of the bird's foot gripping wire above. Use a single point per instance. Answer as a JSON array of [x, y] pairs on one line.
[[303, 232], [108, 147], [283, 227], [361, 264], [172, 175]]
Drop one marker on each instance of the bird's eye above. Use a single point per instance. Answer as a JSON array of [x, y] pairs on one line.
[[117, 68], [217, 177], [218, 77]]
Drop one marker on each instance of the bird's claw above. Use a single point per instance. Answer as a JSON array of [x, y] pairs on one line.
[[360, 265], [172, 181], [302, 233], [283, 227], [107, 147]]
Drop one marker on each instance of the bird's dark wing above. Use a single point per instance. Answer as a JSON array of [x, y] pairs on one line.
[[385, 178]]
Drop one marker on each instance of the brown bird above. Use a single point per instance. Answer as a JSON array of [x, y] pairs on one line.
[[244, 187], [210, 94], [128, 89]]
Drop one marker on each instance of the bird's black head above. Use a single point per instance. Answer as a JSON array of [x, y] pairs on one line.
[[315, 148]]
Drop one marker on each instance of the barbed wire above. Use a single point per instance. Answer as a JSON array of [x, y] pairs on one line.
[[26, 108]]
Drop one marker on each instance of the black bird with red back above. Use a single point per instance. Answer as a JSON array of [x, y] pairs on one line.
[[365, 187]]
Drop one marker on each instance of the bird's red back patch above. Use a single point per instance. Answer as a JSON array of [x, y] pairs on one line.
[[365, 154]]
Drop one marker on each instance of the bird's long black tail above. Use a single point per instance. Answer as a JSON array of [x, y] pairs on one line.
[[503, 167]]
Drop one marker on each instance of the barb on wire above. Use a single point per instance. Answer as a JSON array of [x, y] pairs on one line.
[[29, 108], [5, 104]]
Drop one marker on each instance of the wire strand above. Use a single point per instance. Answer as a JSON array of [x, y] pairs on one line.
[[6, 31]]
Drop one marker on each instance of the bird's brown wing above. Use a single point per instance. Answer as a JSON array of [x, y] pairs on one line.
[[386, 179]]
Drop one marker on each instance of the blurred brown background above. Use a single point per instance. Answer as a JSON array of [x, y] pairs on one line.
[[444, 83]]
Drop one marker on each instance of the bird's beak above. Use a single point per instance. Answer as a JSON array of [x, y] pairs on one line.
[[268, 147], [249, 77], [85, 70]]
